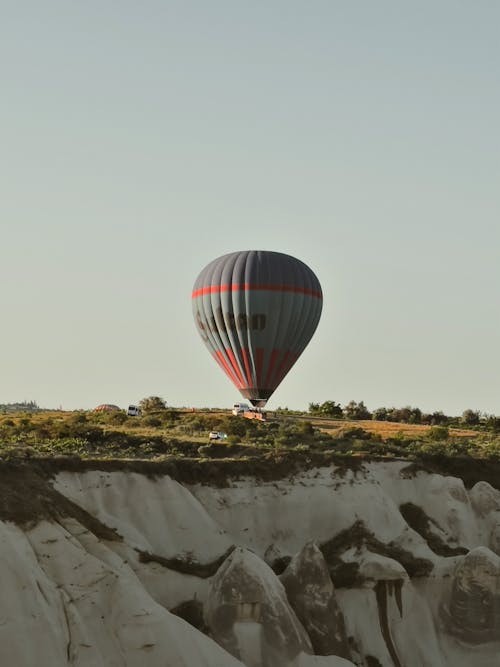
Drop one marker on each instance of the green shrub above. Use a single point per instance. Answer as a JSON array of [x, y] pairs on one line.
[[438, 433], [305, 427], [151, 420], [78, 418], [118, 418], [152, 404]]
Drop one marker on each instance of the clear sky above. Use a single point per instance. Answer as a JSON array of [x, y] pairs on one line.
[[141, 140]]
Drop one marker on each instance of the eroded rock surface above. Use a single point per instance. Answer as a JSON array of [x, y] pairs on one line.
[[249, 615], [91, 566], [311, 593], [474, 607], [485, 498], [68, 599]]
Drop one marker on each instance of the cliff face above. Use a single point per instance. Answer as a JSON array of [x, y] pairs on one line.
[[382, 565]]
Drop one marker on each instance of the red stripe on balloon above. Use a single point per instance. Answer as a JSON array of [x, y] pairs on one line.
[[270, 368], [219, 357], [246, 362], [247, 287], [236, 367]]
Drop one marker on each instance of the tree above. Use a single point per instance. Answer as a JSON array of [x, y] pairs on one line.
[[152, 404], [415, 416], [406, 415], [331, 409], [355, 410], [327, 409], [470, 418], [438, 433], [380, 414], [435, 419], [492, 422]]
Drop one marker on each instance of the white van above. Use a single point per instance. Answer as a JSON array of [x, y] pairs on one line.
[[133, 411], [240, 408]]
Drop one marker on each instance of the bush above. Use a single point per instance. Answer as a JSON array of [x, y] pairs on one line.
[[117, 418], [152, 404], [356, 411], [306, 428], [150, 420], [493, 423], [78, 418], [438, 433], [470, 418], [351, 432], [327, 409]]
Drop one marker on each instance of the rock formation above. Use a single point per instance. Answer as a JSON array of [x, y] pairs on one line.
[[310, 591], [249, 615], [379, 566], [474, 606]]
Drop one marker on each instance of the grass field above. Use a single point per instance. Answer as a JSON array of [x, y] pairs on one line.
[[180, 432], [386, 429]]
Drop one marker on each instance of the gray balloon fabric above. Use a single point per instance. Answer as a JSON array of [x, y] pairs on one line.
[[256, 310]]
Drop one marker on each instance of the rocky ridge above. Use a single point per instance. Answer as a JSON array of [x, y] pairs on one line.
[[378, 565]]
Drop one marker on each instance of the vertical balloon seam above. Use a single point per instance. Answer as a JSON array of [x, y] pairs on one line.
[[310, 307], [209, 305], [294, 317], [229, 299], [247, 296], [300, 299], [213, 342], [283, 318], [231, 325], [311, 310], [296, 314], [210, 340], [252, 258], [267, 277], [200, 305], [220, 277], [237, 298], [217, 339]]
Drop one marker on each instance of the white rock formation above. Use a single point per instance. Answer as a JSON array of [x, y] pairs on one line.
[[67, 599], [159, 516], [473, 610], [71, 596], [249, 615]]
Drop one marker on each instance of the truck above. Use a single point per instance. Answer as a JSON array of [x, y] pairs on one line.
[[245, 410]]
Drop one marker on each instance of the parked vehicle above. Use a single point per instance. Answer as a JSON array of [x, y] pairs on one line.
[[245, 410], [133, 411], [255, 413], [217, 435], [240, 408]]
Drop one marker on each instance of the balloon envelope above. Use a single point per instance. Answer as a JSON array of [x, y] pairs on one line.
[[256, 311]]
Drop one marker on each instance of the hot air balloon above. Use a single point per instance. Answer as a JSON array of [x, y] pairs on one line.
[[256, 310]]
